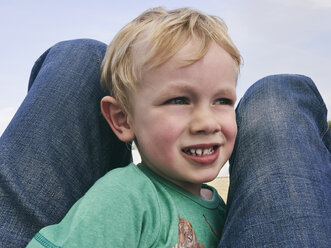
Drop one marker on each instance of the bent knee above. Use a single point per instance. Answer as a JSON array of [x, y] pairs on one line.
[[82, 48], [278, 99], [280, 84]]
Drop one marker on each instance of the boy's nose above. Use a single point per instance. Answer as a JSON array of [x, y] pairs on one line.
[[204, 122]]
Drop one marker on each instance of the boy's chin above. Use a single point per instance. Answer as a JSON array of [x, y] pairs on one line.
[[207, 178]]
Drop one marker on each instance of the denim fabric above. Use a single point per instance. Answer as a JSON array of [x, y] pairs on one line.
[[58, 143], [280, 170]]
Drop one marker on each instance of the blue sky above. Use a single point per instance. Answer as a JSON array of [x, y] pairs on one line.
[[274, 36]]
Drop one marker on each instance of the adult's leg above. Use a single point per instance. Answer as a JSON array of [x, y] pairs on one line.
[[280, 173], [58, 143]]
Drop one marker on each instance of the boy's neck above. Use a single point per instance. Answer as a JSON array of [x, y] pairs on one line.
[[203, 193], [196, 189], [206, 194]]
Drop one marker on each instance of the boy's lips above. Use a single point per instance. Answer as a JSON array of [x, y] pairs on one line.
[[202, 153]]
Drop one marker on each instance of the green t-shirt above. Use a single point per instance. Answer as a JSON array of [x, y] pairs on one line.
[[134, 207]]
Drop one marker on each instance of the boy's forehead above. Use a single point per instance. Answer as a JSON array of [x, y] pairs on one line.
[[178, 77], [187, 54], [189, 50]]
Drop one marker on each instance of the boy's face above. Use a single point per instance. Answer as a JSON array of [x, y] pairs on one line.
[[183, 117]]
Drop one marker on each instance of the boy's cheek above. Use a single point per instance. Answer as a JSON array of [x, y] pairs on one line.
[[235, 131], [230, 130]]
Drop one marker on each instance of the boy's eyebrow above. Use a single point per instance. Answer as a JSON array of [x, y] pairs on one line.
[[222, 90]]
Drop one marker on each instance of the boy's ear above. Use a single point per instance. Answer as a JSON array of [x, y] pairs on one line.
[[116, 118]]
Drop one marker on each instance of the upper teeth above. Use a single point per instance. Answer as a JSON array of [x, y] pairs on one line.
[[199, 151]]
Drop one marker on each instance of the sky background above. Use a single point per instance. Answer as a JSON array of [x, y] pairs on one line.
[[274, 36]]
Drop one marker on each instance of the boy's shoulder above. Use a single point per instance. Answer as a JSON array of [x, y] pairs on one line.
[[122, 190], [116, 206], [126, 179]]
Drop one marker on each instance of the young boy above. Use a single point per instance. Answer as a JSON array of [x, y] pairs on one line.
[[172, 80]]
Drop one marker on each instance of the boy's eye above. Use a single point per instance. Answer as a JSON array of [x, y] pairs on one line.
[[177, 100], [224, 101]]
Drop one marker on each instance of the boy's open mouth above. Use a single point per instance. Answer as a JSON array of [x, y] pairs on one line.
[[200, 151]]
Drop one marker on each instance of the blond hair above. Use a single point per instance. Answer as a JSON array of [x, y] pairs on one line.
[[158, 34]]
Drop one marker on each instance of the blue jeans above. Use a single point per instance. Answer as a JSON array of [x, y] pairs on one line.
[[280, 169], [58, 145]]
